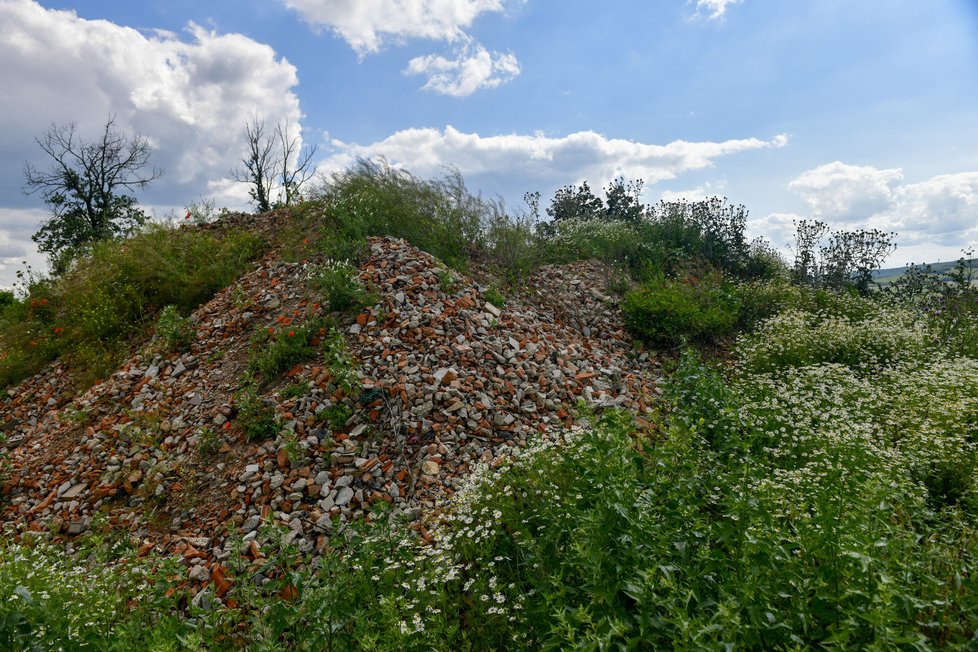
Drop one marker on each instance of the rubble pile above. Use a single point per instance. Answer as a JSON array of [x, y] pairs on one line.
[[446, 378]]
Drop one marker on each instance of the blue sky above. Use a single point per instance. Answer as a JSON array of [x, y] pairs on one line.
[[863, 114]]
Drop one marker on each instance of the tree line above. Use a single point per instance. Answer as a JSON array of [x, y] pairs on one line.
[[89, 189]]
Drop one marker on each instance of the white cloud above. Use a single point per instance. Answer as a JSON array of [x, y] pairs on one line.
[[713, 9], [940, 212], [776, 228], [190, 95], [507, 163], [365, 24], [703, 191], [944, 207], [837, 191], [472, 68]]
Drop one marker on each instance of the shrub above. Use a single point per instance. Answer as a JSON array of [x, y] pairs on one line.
[[279, 348], [256, 417], [665, 312], [340, 286], [89, 314], [173, 331]]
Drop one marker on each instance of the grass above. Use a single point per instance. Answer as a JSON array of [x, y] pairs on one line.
[[90, 315], [816, 490], [291, 340]]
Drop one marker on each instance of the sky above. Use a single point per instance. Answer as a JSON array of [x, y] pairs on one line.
[[860, 114]]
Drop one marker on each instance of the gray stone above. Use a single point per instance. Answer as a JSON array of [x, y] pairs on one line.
[[324, 524], [251, 524], [74, 491], [344, 496], [200, 573]]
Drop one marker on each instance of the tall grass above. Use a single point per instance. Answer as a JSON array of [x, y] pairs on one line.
[[88, 315]]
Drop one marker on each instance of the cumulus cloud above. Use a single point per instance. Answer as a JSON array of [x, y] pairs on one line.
[[473, 67], [703, 191], [941, 211], [367, 25], [189, 95], [776, 228], [538, 161], [713, 9], [847, 193]]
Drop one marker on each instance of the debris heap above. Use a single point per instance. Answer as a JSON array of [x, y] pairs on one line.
[[447, 378]]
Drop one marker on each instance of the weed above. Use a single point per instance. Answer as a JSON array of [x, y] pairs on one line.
[[340, 286], [336, 416], [447, 281], [75, 416], [295, 390], [208, 443], [173, 331], [277, 348], [494, 296], [256, 417], [340, 363]]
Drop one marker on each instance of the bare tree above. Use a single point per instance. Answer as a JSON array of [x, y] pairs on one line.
[[275, 165], [259, 165], [295, 164], [83, 187]]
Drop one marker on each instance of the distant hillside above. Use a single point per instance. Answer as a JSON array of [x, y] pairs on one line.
[[885, 276]]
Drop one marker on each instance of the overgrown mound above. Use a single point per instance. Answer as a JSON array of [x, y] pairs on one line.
[[308, 394]]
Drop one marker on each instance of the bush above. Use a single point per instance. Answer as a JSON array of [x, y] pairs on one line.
[[797, 338], [279, 348], [340, 286], [666, 312], [89, 315], [440, 216]]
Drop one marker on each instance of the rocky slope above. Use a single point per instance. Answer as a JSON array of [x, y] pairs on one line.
[[447, 379]]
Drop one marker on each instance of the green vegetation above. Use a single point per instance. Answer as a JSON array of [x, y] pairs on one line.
[[666, 312], [438, 216], [282, 346], [174, 332], [295, 390], [255, 416], [340, 363], [812, 486], [89, 314], [340, 285]]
